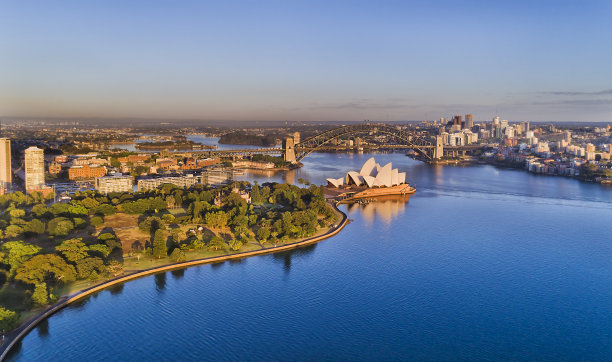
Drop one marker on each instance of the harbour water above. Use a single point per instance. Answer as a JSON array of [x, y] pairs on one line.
[[481, 263]]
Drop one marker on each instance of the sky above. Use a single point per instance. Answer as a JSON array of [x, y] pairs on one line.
[[307, 60]]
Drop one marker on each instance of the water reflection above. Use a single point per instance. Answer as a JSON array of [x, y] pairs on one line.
[[286, 257], [385, 208], [178, 273], [79, 304], [290, 177], [160, 282], [43, 328], [116, 289]]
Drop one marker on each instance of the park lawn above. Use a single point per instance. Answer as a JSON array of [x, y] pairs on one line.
[[177, 211], [125, 226], [131, 264], [120, 220], [132, 238]]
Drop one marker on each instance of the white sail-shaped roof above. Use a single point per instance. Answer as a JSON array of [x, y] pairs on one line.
[[384, 175], [353, 176], [335, 182], [369, 180], [368, 168], [371, 175]]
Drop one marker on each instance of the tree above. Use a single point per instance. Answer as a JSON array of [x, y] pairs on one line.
[[72, 250], [110, 240], [216, 220], [256, 197], [17, 213], [40, 296], [196, 243], [40, 211], [177, 255], [263, 234], [48, 268], [34, 227], [216, 243], [114, 268], [105, 209], [99, 249], [59, 209], [235, 245], [196, 211], [8, 319], [234, 200], [90, 203], [86, 266], [13, 231], [159, 244], [79, 223], [77, 210], [206, 196], [17, 252], [151, 224], [240, 221], [97, 221], [60, 226]]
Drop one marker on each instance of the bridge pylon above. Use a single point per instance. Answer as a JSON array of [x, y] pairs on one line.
[[439, 150], [289, 150]]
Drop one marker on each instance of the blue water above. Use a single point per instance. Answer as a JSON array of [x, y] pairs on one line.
[[480, 264], [212, 141]]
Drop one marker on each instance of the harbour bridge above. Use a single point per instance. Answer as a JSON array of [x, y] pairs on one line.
[[426, 149]]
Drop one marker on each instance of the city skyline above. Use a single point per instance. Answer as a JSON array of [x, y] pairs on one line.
[[314, 61]]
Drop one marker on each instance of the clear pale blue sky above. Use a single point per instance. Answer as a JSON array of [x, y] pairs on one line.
[[307, 60]]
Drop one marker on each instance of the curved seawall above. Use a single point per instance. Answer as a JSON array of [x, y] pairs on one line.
[[64, 301]]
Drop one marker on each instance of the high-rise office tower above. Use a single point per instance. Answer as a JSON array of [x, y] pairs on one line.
[[469, 121], [5, 165], [457, 120], [34, 168]]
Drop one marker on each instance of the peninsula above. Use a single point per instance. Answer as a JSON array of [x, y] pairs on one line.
[[54, 250]]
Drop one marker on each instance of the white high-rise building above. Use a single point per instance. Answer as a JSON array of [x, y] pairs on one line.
[[34, 168], [5, 165]]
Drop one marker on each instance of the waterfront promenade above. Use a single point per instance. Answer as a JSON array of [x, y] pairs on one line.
[[16, 335]]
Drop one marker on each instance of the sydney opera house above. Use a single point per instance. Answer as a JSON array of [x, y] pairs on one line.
[[373, 180]]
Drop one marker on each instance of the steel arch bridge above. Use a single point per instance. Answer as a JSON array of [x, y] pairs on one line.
[[424, 147]]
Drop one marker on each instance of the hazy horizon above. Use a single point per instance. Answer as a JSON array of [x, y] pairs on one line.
[[307, 61]]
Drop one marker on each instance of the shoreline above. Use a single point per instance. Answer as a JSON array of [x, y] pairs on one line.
[[509, 165], [20, 332]]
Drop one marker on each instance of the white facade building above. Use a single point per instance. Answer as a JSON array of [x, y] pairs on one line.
[[34, 168], [371, 175]]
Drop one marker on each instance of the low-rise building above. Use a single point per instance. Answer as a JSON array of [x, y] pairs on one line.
[[109, 184], [55, 168], [217, 177], [86, 172], [180, 181]]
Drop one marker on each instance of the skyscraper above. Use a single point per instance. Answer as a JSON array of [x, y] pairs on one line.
[[469, 121], [457, 120], [34, 168], [5, 165]]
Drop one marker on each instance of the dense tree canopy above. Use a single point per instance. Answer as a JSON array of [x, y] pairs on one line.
[[47, 268]]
